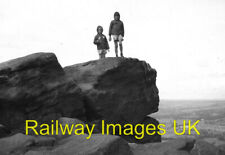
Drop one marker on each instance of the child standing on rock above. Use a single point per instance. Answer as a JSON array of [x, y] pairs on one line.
[[101, 42], [116, 29]]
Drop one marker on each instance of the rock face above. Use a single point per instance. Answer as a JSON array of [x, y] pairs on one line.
[[30, 145], [20, 143], [114, 89], [35, 87], [98, 145], [119, 90]]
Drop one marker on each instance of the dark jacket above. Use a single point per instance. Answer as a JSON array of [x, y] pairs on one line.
[[101, 42], [116, 28]]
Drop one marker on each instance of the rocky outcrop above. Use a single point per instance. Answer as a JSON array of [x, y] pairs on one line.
[[35, 87], [118, 90], [113, 89], [20, 143], [99, 144], [31, 145]]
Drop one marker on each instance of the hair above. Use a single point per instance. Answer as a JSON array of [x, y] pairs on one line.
[[116, 14], [99, 27]]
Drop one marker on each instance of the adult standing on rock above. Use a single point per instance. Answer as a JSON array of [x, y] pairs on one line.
[[116, 29]]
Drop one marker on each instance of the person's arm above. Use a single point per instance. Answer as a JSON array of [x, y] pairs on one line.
[[96, 41], [110, 30], [122, 29], [107, 44]]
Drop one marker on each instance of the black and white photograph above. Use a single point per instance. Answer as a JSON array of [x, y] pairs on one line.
[[112, 77]]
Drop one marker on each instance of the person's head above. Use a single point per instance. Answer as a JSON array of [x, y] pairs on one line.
[[99, 29], [116, 15]]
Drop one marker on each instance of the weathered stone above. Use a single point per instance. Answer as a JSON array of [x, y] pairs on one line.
[[118, 90], [65, 121], [98, 144], [20, 143], [35, 87]]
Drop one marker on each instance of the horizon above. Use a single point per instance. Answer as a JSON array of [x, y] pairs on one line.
[[182, 39]]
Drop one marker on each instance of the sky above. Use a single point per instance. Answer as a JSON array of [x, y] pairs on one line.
[[184, 40]]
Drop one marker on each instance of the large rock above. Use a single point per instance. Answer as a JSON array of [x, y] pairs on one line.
[[181, 146], [79, 145], [65, 121], [20, 143], [35, 87], [39, 145], [118, 90]]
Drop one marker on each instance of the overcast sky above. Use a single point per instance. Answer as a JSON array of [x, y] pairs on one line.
[[184, 40]]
